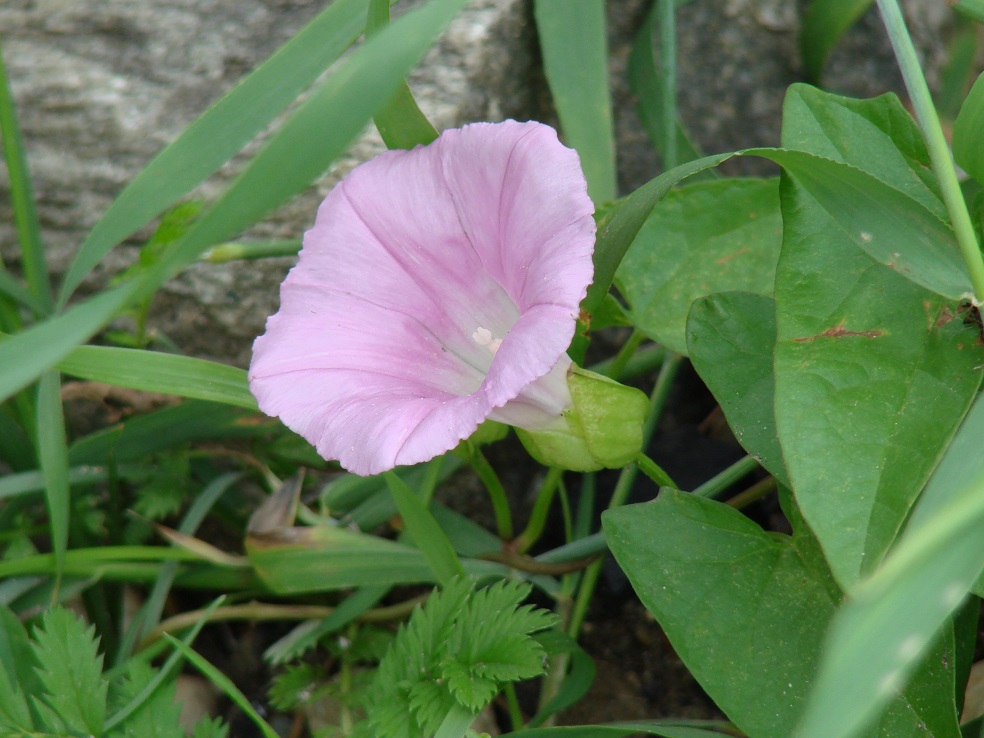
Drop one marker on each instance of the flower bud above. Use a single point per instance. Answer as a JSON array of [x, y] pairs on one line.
[[601, 429]]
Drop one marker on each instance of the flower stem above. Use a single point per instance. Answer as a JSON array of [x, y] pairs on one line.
[[615, 369], [497, 493], [541, 508], [654, 471], [623, 486], [722, 480], [939, 150]]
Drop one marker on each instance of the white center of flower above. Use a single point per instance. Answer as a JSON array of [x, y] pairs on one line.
[[483, 337]]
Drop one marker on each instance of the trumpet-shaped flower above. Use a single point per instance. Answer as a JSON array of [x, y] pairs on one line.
[[438, 287]]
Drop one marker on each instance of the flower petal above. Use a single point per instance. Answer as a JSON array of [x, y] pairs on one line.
[[429, 292]]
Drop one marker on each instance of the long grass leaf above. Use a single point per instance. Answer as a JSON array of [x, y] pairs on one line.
[[22, 198], [221, 132], [53, 455], [573, 39], [400, 122], [153, 371], [224, 683]]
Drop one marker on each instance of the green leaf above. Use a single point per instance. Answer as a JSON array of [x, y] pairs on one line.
[[891, 227], [894, 615], [53, 456], [731, 337], [574, 44], [70, 671], [646, 83], [873, 374], [726, 592], [971, 9], [619, 225], [221, 131], [22, 198], [400, 122], [152, 371], [704, 238], [425, 531], [824, 23], [140, 436], [323, 558], [968, 130], [877, 135]]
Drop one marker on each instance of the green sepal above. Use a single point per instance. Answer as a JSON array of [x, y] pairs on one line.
[[601, 430]]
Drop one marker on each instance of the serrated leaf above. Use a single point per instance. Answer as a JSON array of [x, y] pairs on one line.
[[70, 670], [704, 238], [469, 688], [430, 702], [210, 728]]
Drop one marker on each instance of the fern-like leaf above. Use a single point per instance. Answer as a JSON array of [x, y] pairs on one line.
[[70, 671]]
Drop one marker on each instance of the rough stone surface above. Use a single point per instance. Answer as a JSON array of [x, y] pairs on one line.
[[102, 86]]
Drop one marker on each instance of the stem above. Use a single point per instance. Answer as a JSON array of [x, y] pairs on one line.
[[939, 150], [667, 51], [615, 369], [654, 471], [541, 508], [512, 703], [497, 493], [756, 492], [624, 485], [721, 481]]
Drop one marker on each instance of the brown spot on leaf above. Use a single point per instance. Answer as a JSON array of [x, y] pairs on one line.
[[839, 331], [728, 257]]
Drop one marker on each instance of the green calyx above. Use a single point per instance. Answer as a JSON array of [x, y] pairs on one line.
[[602, 429]]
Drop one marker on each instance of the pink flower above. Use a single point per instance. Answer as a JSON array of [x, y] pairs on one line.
[[438, 287]]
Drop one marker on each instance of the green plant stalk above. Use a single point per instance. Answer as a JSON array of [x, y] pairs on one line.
[[512, 704], [668, 54], [497, 493], [939, 150], [541, 508], [654, 471], [657, 400], [621, 360], [22, 198], [721, 481]]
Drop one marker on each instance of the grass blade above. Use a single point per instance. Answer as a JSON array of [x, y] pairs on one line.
[[152, 371], [53, 455], [575, 60], [22, 198], [223, 682]]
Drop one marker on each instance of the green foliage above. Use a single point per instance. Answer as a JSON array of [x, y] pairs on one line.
[[704, 238], [726, 592], [455, 652], [52, 684]]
